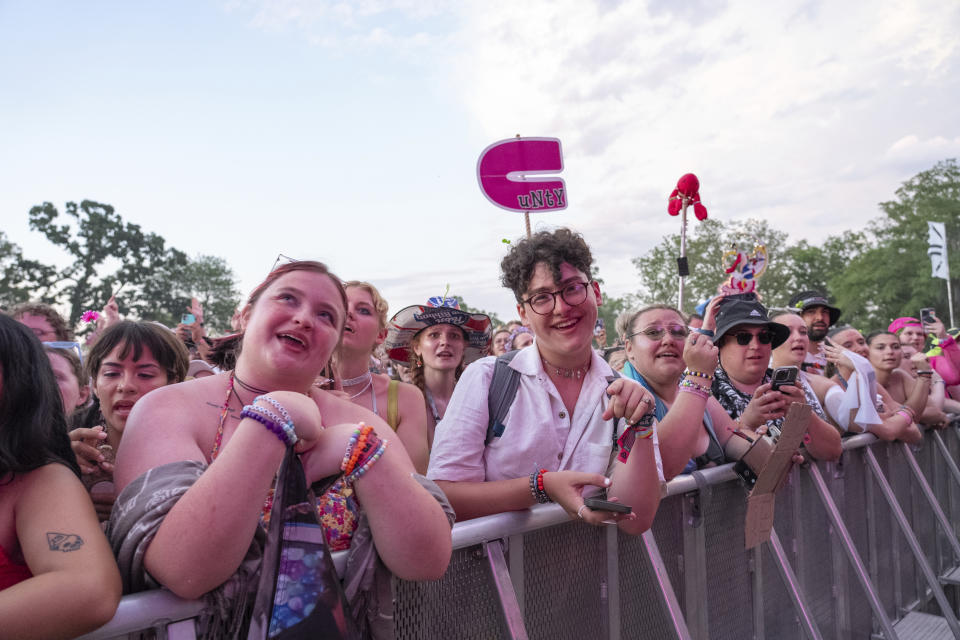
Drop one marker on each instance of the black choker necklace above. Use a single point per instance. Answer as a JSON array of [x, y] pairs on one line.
[[576, 372], [248, 387]]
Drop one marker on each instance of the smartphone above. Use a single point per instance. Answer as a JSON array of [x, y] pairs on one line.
[[188, 318], [605, 505], [928, 315], [784, 377], [599, 327]]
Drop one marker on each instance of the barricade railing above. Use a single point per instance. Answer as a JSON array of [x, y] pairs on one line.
[[863, 547]]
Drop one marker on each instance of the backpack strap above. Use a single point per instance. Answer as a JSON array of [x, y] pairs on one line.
[[714, 452], [393, 414], [500, 395]]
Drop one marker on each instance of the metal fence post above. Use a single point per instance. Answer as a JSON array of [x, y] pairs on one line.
[[512, 618], [858, 568], [933, 582]]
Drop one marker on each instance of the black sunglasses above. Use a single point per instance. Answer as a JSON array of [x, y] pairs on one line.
[[745, 337]]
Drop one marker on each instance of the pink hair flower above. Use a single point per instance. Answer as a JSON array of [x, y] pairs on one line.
[[90, 316]]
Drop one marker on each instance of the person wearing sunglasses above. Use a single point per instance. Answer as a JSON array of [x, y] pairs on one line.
[[746, 337], [662, 353], [555, 441]]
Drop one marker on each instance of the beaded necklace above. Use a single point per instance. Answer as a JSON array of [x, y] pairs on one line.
[[576, 372]]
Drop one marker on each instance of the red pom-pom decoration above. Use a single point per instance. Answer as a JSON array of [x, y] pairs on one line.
[[687, 192]]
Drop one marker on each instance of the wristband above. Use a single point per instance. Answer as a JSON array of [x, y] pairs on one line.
[[536, 487], [704, 332], [277, 429]]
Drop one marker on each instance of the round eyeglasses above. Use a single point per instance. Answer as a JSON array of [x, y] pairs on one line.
[[545, 302], [677, 332]]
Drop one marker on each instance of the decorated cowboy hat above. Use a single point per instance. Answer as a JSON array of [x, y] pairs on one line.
[[410, 321]]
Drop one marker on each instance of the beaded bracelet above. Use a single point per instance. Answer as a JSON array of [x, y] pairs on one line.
[[536, 487], [700, 393], [698, 374], [926, 372], [691, 384], [355, 447], [286, 421], [272, 426], [369, 462]]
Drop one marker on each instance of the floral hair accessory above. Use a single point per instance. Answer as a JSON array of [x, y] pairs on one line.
[[90, 316]]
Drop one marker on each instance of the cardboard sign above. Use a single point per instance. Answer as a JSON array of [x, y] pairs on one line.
[[503, 168], [760, 502]]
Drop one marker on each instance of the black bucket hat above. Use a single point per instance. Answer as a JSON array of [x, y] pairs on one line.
[[808, 299], [736, 312]]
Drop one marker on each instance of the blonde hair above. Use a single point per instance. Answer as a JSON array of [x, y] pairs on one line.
[[379, 303], [626, 319]]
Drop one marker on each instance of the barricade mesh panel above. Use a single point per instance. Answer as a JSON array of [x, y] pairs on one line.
[[855, 516], [779, 616], [667, 531], [816, 555], [940, 554], [730, 600], [898, 474], [953, 445], [462, 604], [882, 550], [642, 611], [563, 568]]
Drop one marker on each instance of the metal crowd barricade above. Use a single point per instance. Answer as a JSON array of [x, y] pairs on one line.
[[865, 547]]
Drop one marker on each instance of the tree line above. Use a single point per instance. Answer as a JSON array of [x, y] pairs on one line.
[[152, 280], [874, 274]]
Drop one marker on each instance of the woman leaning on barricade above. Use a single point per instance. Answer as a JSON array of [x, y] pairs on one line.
[[198, 460], [58, 578], [866, 406], [911, 394], [677, 366]]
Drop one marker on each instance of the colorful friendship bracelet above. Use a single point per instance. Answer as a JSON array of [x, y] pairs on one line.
[[285, 421], [698, 374], [368, 462], [272, 426]]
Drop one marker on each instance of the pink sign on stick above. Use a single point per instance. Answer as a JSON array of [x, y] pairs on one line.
[[503, 168]]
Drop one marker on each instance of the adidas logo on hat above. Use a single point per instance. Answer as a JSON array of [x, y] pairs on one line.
[[755, 313]]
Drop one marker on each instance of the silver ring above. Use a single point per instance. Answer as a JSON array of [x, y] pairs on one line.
[[580, 511]]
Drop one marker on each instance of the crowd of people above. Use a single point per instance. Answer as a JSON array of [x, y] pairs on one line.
[[147, 457]]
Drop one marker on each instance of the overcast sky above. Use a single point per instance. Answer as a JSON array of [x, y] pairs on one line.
[[350, 132]]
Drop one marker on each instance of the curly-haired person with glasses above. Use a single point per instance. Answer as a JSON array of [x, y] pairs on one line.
[[555, 443]]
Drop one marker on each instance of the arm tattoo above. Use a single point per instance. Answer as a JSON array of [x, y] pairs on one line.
[[63, 541]]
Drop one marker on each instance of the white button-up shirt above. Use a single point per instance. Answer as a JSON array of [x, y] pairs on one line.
[[538, 431]]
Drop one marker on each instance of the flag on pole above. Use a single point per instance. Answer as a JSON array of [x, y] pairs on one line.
[[937, 238]]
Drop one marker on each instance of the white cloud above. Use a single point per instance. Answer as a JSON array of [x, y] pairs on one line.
[[784, 110]]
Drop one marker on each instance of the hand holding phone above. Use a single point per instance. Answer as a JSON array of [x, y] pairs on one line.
[[783, 377], [599, 504]]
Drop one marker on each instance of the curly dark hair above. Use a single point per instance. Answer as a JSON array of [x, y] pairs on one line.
[[59, 325], [553, 248]]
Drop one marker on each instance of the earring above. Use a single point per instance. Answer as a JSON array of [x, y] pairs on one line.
[[419, 362]]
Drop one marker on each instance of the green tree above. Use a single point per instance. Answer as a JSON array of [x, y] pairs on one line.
[[212, 282], [891, 278], [22, 279], [705, 248], [155, 281], [494, 318]]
